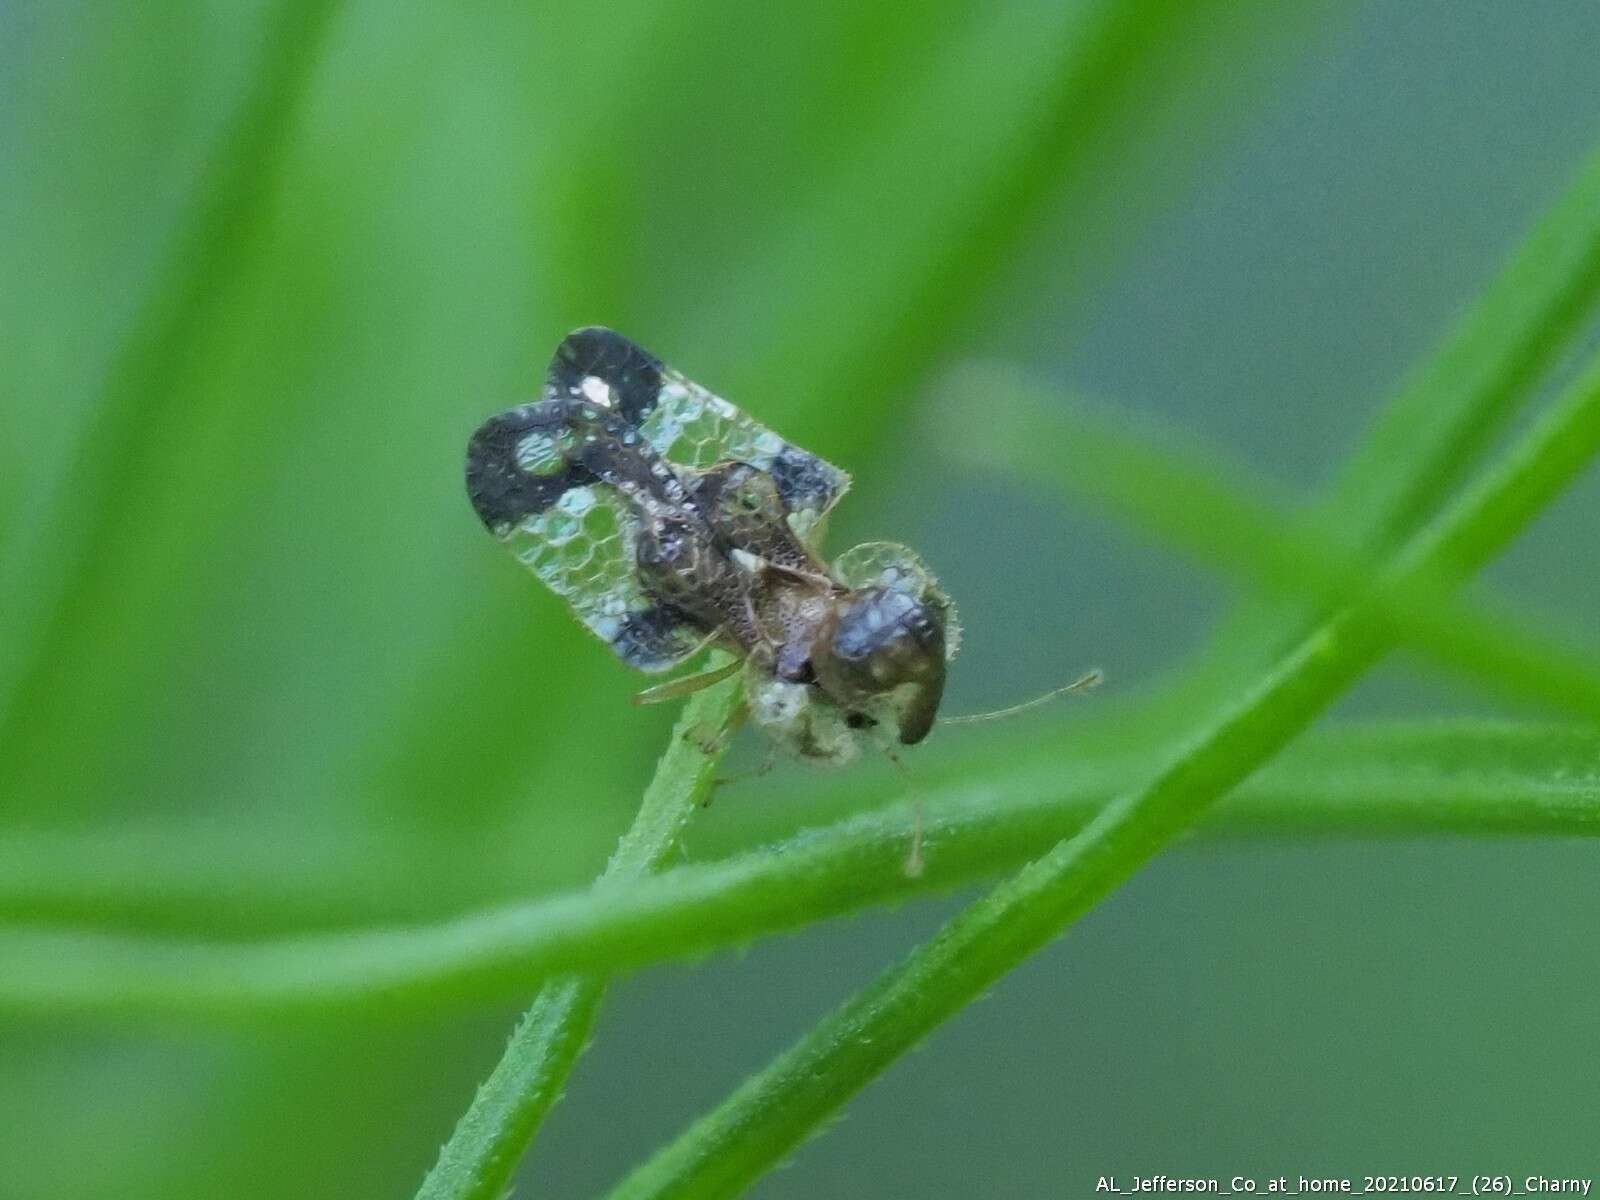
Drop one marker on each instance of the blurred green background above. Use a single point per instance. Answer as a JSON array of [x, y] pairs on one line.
[[266, 266]]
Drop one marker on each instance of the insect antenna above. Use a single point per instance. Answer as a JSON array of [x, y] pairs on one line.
[[1082, 684]]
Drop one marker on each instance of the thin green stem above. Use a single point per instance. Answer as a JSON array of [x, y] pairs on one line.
[[1464, 778], [787, 1101], [1440, 423], [495, 1131], [66, 577], [1448, 412], [1196, 501]]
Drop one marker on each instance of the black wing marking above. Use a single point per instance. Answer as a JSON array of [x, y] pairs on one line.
[[507, 486], [573, 492], [633, 374]]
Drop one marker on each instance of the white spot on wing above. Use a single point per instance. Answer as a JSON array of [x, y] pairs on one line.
[[596, 390]]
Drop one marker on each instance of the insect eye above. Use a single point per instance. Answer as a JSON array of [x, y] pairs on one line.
[[858, 720]]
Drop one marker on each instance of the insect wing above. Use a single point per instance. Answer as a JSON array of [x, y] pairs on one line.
[[697, 429], [618, 440], [535, 477]]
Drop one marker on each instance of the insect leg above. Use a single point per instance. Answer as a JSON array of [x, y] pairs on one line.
[[686, 685], [715, 741], [769, 761], [915, 863]]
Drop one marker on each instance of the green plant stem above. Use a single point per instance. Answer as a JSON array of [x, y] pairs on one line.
[[1439, 424], [1461, 778], [1196, 501], [1449, 410], [786, 1102], [65, 578], [495, 1131]]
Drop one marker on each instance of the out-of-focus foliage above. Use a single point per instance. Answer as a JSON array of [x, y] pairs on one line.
[[266, 264]]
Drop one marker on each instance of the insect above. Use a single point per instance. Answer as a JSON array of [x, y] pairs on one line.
[[670, 520]]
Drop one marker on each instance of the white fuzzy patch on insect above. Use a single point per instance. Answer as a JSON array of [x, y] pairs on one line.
[[776, 703], [815, 732], [747, 562], [597, 390]]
